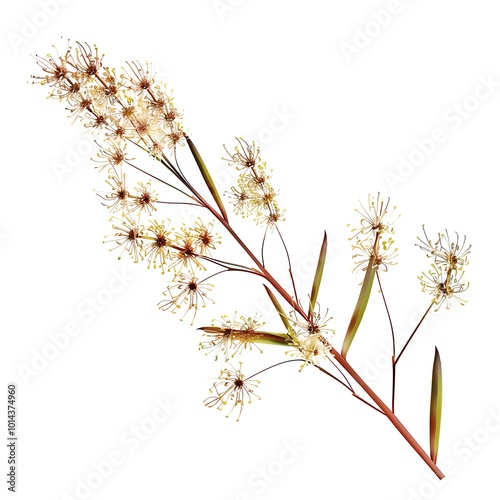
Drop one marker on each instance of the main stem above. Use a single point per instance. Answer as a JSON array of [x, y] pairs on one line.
[[387, 412]]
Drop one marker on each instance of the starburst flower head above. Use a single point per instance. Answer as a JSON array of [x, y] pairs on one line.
[[443, 285], [176, 136], [311, 339], [241, 199], [312, 349], [186, 291], [80, 105], [118, 198], [259, 178], [117, 132], [95, 121], [144, 199], [144, 124], [157, 250], [128, 236], [140, 79], [112, 86], [234, 389], [376, 218], [86, 61], [163, 105], [231, 336], [185, 248], [446, 252], [156, 144], [68, 88], [270, 219], [206, 239], [246, 156], [170, 114], [55, 71], [125, 114], [381, 257], [113, 155], [265, 200]]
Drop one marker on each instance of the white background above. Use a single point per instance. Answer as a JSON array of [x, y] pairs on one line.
[[233, 69]]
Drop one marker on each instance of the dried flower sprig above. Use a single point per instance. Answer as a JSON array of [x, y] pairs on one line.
[[129, 108], [253, 194]]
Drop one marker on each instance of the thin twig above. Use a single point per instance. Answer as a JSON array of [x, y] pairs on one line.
[[274, 366], [320, 368], [289, 262], [367, 403], [393, 341], [414, 331], [341, 372]]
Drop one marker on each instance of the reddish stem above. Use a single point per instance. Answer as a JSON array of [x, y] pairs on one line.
[[387, 412]]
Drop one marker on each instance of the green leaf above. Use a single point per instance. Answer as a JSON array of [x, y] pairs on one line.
[[361, 304], [317, 277], [207, 177], [262, 337], [282, 314], [272, 338], [436, 405]]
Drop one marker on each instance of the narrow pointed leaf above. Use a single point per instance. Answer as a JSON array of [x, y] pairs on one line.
[[207, 177], [436, 405], [261, 338], [359, 310], [317, 277], [272, 338], [281, 313]]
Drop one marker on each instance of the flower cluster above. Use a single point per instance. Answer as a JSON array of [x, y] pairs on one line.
[[232, 387], [182, 251], [374, 246], [131, 106], [253, 194], [444, 280]]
